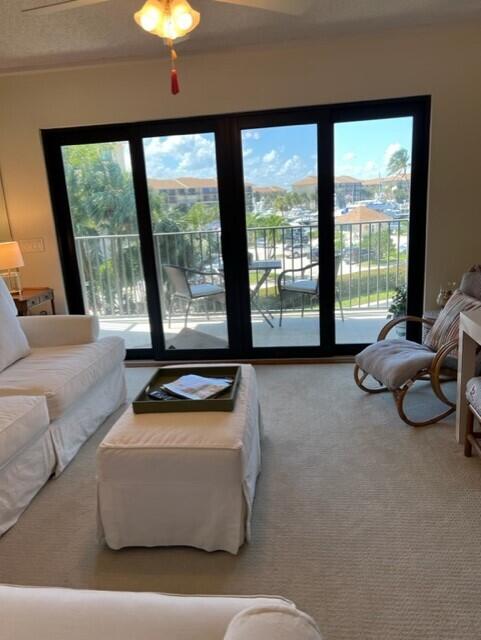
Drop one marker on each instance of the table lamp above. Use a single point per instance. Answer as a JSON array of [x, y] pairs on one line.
[[10, 260]]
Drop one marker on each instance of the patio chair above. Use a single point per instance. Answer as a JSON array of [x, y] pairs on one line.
[[396, 364], [305, 286], [180, 287]]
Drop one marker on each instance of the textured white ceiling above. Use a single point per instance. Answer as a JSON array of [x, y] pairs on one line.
[[108, 32]]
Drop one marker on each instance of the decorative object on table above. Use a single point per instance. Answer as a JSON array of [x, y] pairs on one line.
[[165, 376], [195, 387], [11, 260], [445, 293], [395, 365], [398, 307], [30, 299]]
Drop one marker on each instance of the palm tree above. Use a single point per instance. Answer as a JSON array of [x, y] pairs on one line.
[[399, 163]]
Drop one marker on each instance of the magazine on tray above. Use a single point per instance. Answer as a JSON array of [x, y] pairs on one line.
[[194, 387]]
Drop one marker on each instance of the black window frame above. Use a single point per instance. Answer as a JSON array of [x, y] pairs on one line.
[[227, 129]]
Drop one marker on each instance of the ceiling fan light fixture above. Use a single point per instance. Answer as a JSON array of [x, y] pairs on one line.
[[168, 19]]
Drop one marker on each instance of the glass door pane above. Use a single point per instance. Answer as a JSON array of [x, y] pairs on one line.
[[102, 206], [372, 206], [184, 207], [280, 173]]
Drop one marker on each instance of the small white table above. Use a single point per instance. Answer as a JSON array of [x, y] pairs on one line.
[[469, 342]]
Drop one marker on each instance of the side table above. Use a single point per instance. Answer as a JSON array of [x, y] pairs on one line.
[[469, 343], [30, 298]]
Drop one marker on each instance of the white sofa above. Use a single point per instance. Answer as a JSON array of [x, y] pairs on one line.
[[58, 383], [46, 613]]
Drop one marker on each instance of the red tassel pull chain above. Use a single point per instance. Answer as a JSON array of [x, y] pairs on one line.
[[174, 79]]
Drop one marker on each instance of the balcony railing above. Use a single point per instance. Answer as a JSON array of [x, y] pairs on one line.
[[372, 263]]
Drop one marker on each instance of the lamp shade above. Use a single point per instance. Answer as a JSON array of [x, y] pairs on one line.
[[168, 19], [10, 256]]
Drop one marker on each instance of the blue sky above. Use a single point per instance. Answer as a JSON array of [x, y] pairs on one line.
[[282, 155]]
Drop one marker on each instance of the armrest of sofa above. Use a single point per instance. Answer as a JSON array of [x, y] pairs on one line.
[[58, 331]]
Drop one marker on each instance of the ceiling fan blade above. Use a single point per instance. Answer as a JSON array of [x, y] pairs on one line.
[[61, 5], [291, 7]]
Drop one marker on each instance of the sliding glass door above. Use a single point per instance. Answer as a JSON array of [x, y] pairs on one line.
[[281, 214], [291, 233], [184, 210], [98, 180], [372, 215]]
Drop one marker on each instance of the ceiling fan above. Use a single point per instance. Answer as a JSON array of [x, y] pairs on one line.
[[173, 19], [290, 7]]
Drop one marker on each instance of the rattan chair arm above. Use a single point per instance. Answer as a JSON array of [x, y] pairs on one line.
[[441, 355], [395, 321], [280, 277]]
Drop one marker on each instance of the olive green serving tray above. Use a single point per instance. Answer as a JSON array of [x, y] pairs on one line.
[[225, 401]]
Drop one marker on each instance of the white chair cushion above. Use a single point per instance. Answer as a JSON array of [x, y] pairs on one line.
[[202, 290], [23, 419], [394, 362], [62, 374], [302, 286], [272, 622], [13, 343], [473, 393]]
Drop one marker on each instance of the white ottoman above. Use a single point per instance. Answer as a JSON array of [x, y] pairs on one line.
[[185, 479]]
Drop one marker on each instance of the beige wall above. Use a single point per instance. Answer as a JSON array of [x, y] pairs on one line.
[[5, 234], [443, 62]]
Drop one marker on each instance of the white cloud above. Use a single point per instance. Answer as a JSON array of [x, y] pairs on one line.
[[247, 152], [350, 155], [390, 149], [251, 134], [174, 156], [290, 166], [270, 156]]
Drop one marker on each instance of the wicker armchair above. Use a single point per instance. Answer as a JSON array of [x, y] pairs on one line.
[[435, 366], [304, 286], [395, 365], [181, 288]]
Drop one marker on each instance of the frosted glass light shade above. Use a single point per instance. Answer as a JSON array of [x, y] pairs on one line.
[[10, 256], [168, 20]]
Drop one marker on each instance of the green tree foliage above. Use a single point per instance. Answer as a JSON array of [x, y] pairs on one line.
[[399, 163], [101, 194]]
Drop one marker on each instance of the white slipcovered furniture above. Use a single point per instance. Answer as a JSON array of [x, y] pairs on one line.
[[44, 613], [187, 479], [58, 383]]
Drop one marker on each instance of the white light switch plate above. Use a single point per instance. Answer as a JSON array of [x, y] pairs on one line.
[[32, 245]]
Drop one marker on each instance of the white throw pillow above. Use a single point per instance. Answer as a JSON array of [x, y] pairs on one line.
[[13, 342], [274, 622]]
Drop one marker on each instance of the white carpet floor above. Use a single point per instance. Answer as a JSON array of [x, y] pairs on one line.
[[372, 527]]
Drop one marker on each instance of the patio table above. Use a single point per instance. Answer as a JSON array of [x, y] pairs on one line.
[[266, 266]]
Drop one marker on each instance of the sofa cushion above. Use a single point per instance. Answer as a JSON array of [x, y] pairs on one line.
[[62, 374], [13, 343], [273, 621], [23, 419], [394, 362], [446, 327]]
